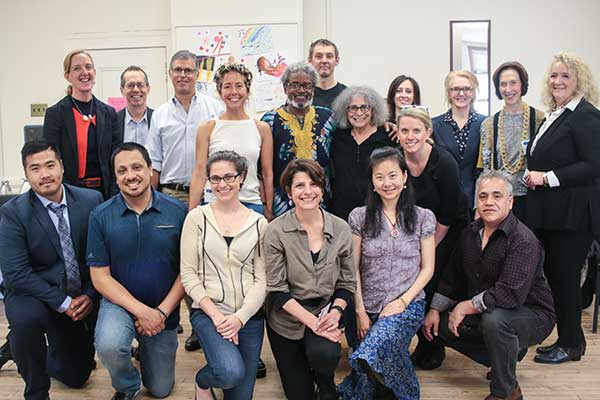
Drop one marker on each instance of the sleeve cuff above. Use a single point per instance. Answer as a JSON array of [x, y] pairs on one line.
[[343, 294], [65, 305], [478, 302], [441, 302], [279, 299], [552, 179]]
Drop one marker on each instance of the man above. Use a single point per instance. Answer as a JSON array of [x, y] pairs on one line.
[[133, 254], [47, 287], [324, 56], [300, 130], [493, 301], [134, 120], [172, 137]]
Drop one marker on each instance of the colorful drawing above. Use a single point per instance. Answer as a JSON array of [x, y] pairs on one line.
[[213, 43], [255, 40], [271, 64], [207, 67]]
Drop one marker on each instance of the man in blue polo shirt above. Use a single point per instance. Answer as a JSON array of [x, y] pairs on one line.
[[133, 252]]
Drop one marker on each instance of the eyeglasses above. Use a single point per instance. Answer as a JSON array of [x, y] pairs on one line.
[[418, 107], [365, 108], [465, 90], [295, 86], [185, 71], [228, 178], [132, 85]]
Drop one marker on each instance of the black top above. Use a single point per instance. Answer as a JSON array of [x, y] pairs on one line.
[[314, 255], [228, 239], [349, 162], [438, 189], [324, 98]]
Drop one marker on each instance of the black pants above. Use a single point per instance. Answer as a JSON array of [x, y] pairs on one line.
[[495, 338], [69, 355], [566, 252], [302, 363]]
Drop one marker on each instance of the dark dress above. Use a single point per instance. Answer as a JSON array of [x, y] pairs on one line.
[[349, 161]]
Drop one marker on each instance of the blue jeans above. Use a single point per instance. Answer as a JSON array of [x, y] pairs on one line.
[[115, 331], [259, 208], [230, 367]]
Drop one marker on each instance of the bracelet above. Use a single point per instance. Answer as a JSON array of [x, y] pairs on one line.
[[161, 312], [403, 302], [336, 307]]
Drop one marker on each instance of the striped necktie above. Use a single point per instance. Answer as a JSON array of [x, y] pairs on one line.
[[71, 265]]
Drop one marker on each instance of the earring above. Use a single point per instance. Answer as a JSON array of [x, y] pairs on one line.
[[374, 189], [404, 187]]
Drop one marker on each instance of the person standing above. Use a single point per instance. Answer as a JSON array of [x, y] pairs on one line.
[[324, 56], [134, 120]]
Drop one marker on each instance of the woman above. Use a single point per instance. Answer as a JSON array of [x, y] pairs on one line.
[[394, 251], [360, 116], [84, 129], [457, 130], [403, 91], [223, 271], [504, 136], [235, 130], [435, 178], [310, 279], [564, 190]]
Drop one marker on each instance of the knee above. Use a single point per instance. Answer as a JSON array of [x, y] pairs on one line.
[[323, 359], [229, 375], [110, 345], [161, 389], [494, 322], [76, 379]]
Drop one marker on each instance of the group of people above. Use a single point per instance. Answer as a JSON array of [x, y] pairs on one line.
[[336, 213]]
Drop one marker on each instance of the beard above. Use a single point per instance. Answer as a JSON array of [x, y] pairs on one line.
[[302, 106]]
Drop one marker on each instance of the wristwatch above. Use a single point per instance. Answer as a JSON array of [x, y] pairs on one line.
[[336, 307], [545, 179]]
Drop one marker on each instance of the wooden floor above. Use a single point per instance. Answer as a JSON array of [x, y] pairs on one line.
[[458, 379]]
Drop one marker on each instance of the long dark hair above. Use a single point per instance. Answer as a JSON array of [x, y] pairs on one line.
[[405, 208]]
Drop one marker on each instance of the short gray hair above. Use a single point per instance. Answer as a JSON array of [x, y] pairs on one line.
[[495, 174], [300, 66], [379, 113], [239, 162], [184, 55]]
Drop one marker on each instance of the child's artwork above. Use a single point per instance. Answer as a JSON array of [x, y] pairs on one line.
[[255, 40]]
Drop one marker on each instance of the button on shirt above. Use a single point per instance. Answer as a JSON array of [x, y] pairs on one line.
[[171, 140], [135, 131], [142, 250]]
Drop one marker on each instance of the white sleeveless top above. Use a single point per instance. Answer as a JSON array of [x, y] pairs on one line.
[[242, 137]]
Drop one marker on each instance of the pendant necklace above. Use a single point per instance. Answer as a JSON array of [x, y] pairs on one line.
[[395, 232], [84, 116]]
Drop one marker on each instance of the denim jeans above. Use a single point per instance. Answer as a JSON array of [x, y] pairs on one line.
[[230, 367], [115, 331], [259, 208]]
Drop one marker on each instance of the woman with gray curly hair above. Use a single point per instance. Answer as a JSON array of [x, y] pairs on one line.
[[360, 114]]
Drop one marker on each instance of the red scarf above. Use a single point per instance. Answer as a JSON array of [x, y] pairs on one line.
[[81, 127]]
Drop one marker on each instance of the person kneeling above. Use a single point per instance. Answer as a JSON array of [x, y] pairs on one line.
[[495, 283]]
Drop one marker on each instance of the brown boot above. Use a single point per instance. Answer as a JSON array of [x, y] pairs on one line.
[[515, 395]]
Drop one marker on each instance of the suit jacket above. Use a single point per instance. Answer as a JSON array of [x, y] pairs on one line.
[[571, 148], [59, 129], [121, 121], [443, 135], [31, 257]]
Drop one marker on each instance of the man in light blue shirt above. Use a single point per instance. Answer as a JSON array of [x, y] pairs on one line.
[[134, 120]]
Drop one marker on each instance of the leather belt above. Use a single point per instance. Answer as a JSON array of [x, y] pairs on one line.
[[91, 182], [180, 187]]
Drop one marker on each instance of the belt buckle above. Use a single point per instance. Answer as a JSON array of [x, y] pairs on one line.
[[92, 182]]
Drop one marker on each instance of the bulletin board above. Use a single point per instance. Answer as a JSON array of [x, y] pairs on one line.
[[266, 49]]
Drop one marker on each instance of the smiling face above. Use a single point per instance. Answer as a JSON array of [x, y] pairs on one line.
[[510, 86], [412, 134], [305, 193], [562, 82], [323, 60], [461, 92], [388, 179], [224, 171], [360, 113], [299, 90], [81, 75], [405, 94], [183, 76], [132, 174], [233, 90], [44, 172], [135, 90], [493, 201]]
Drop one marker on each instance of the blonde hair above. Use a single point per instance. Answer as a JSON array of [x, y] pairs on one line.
[[67, 65], [585, 84], [417, 113], [461, 74]]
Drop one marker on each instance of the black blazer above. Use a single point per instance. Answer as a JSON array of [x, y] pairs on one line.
[[121, 121], [571, 148], [59, 129], [31, 257]]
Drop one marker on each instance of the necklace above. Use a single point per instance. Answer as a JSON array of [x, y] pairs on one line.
[[518, 165], [227, 224], [395, 232], [84, 116]]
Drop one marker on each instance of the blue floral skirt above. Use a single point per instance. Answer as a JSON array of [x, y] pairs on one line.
[[385, 349]]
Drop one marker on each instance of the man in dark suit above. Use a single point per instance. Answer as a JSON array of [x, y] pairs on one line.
[[134, 120], [47, 285]]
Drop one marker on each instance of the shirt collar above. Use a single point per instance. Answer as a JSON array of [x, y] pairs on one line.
[[572, 105], [46, 202], [128, 117], [176, 101], [472, 116], [123, 207], [290, 223], [507, 226]]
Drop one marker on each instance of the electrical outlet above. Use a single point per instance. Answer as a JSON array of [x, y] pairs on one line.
[[38, 110]]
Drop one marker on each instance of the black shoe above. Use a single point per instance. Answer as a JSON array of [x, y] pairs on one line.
[[5, 354], [124, 396], [559, 355], [261, 372], [329, 393], [546, 349], [179, 329], [192, 343], [432, 359]]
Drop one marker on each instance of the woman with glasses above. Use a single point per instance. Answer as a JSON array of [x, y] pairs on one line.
[[84, 129], [223, 271], [394, 251], [435, 177], [235, 130], [403, 91], [457, 130], [310, 279]]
